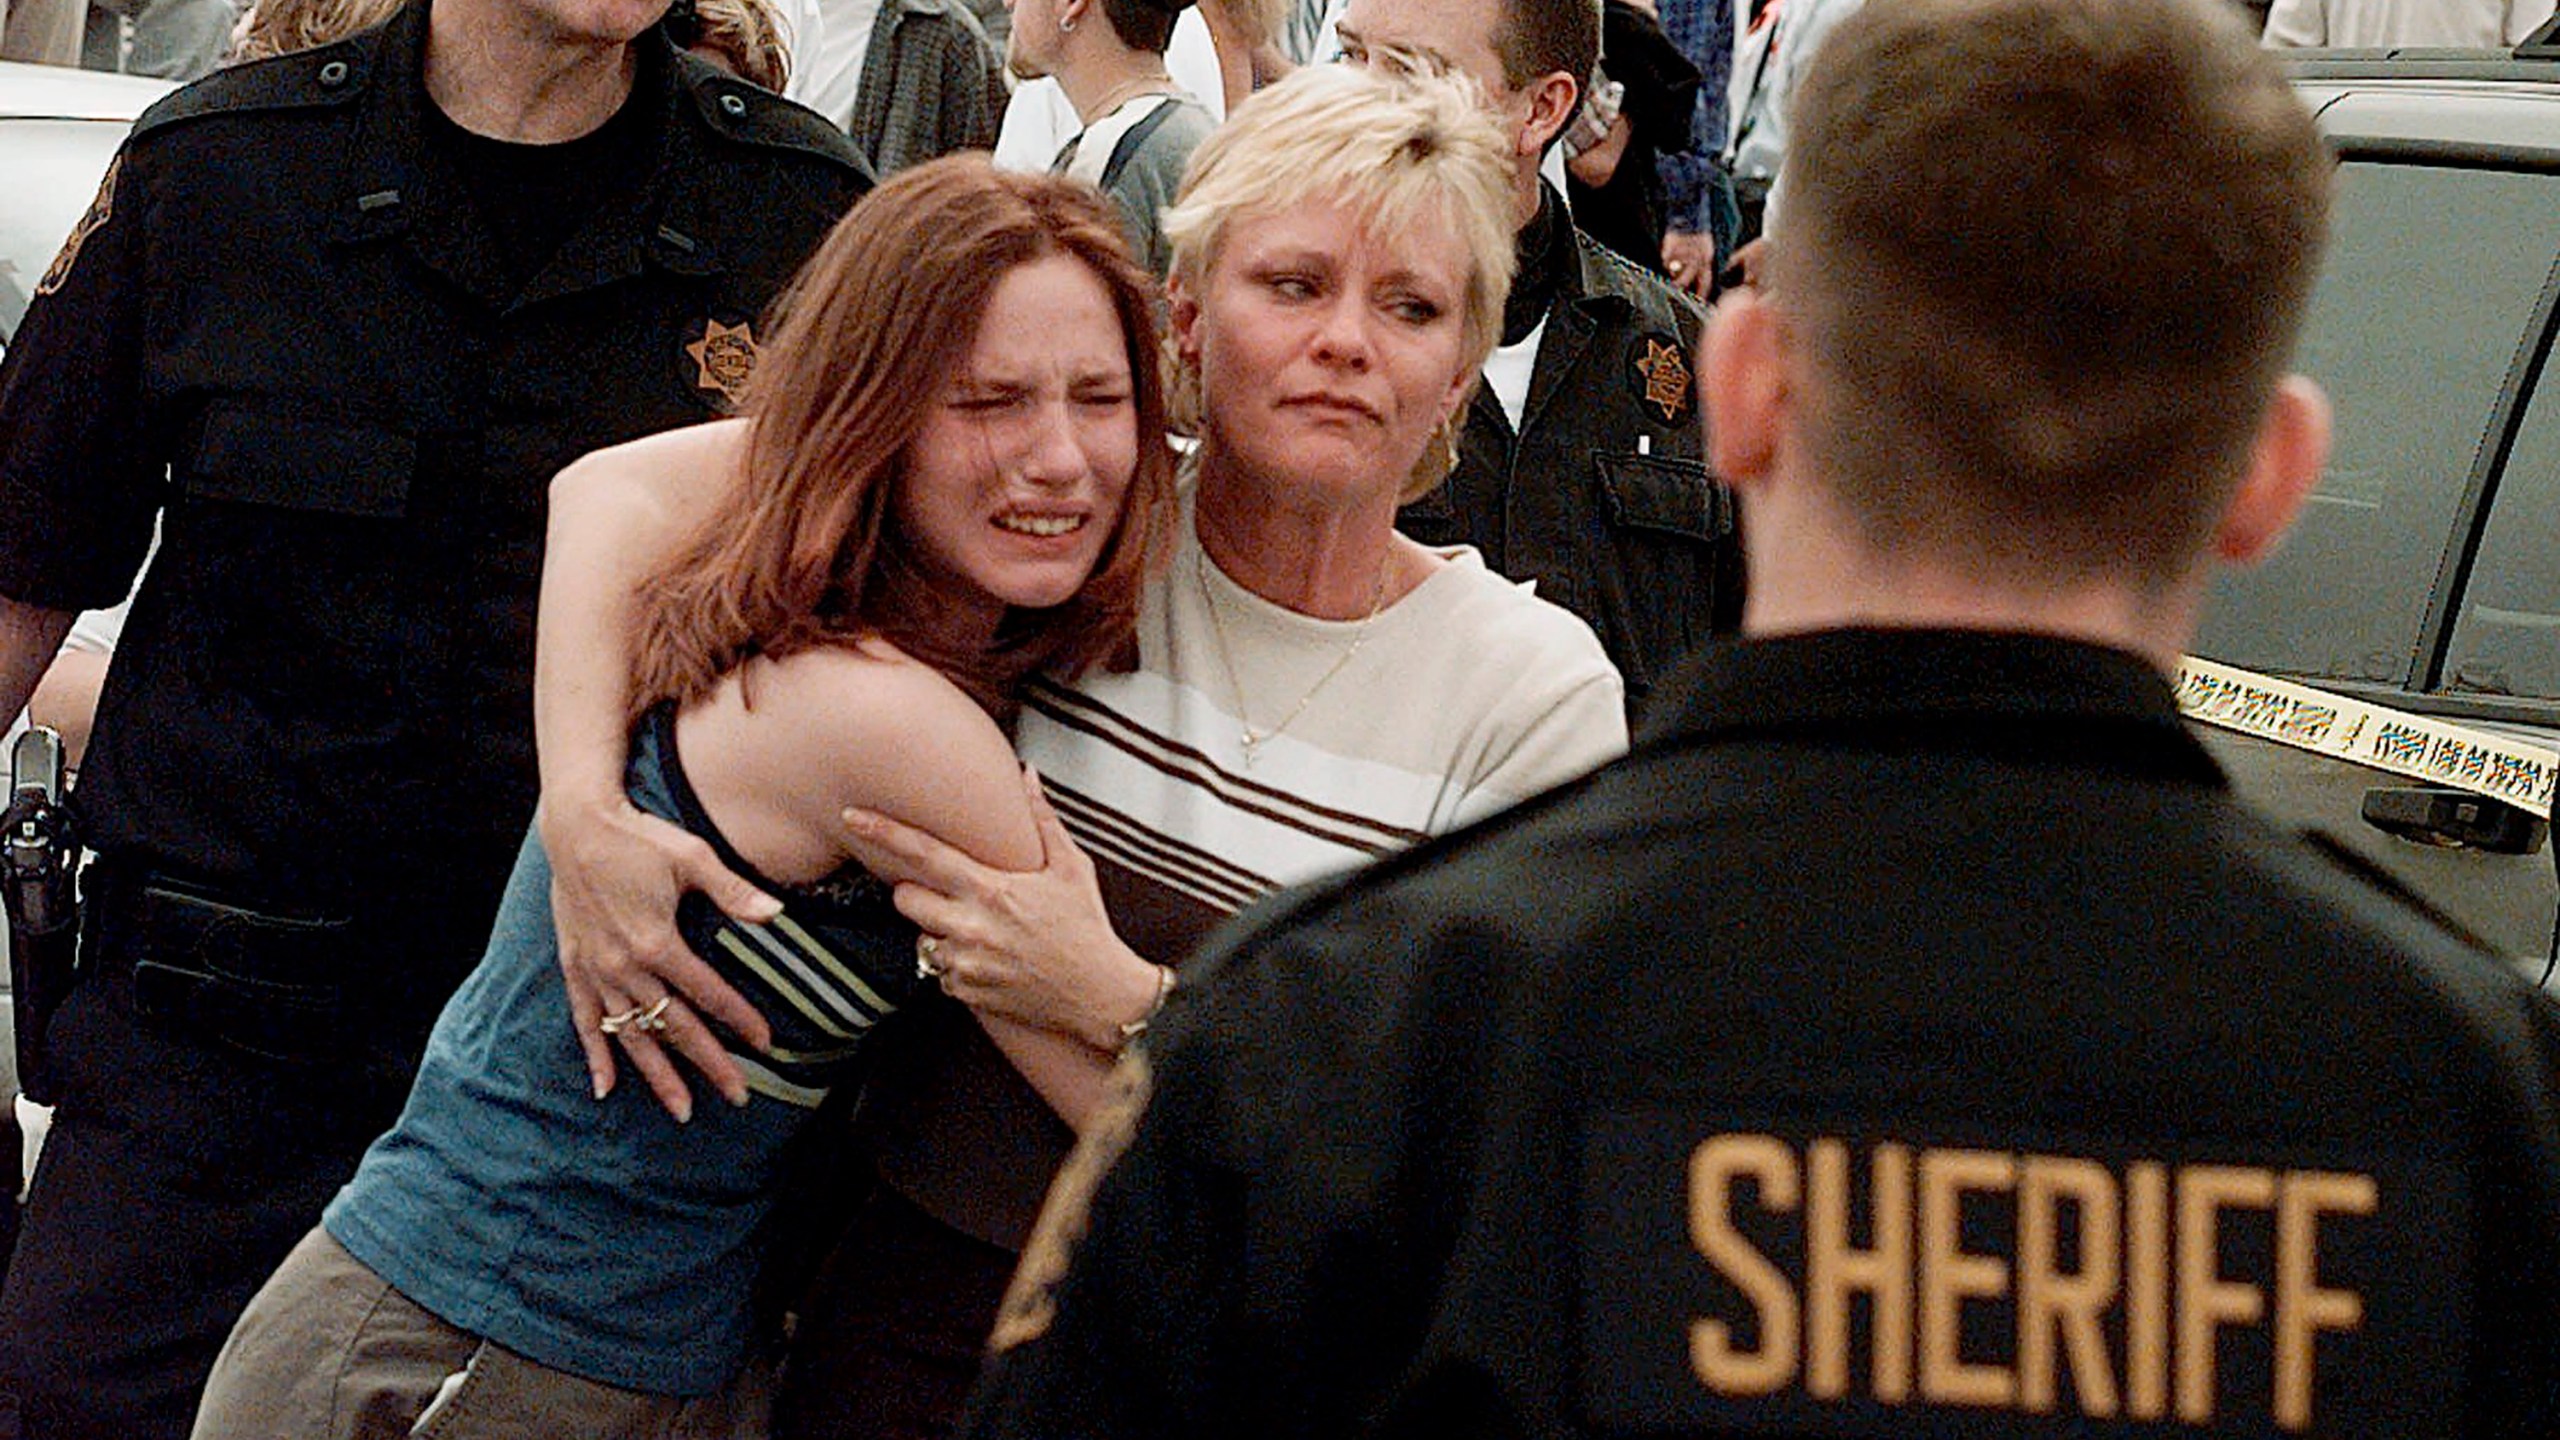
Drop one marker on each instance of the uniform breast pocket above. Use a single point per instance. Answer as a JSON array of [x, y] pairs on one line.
[[1675, 568], [290, 546]]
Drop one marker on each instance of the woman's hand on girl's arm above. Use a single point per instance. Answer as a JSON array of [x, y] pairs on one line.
[[616, 873], [1031, 946], [616, 876]]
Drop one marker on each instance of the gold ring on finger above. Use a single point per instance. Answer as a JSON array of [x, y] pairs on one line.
[[647, 1019]]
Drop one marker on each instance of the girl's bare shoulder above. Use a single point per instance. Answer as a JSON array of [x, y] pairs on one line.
[[713, 446]]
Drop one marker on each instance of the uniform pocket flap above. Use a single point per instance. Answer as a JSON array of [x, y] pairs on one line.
[[297, 463], [1663, 493]]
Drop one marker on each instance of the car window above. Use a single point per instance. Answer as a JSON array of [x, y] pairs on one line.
[[2506, 638], [2433, 277]]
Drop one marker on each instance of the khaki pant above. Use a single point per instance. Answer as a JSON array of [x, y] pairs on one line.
[[329, 1351]]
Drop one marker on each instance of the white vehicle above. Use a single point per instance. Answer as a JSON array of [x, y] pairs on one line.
[[58, 129]]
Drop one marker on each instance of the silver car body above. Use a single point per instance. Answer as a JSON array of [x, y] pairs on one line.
[[2425, 575]]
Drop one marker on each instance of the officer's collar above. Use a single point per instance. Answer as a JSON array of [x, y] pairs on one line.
[[398, 182], [1932, 688], [1544, 262]]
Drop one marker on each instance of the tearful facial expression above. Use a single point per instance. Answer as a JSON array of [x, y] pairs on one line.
[[1328, 352], [1016, 480]]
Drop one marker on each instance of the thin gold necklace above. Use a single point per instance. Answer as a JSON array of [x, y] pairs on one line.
[[1247, 736]]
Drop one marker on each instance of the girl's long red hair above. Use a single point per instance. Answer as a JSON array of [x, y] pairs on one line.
[[870, 332]]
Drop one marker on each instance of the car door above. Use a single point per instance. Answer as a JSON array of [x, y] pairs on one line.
[[2425, 573]]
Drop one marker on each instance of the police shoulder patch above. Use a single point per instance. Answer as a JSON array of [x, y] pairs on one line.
[[101, 210], [1031, 1301], [1660, 372]]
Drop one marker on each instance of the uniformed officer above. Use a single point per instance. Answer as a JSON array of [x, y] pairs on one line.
[[1912, 1036], [1578, 464], [339, 316]]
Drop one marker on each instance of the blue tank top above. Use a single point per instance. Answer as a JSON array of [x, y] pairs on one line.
[[601, 1237]]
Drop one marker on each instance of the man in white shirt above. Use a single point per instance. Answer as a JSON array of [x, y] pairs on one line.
[[2373, 24], [1771, 52]]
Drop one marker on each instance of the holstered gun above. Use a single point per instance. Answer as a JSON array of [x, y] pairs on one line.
[[39, 860]]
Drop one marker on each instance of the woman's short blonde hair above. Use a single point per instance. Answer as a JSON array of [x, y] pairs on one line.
[[1389, 147]]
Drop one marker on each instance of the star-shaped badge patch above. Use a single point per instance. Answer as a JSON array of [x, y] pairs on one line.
[[1664, 377], [723, 359]]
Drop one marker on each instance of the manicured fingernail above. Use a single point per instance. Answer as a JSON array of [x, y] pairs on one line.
[[601, 1087], [684, 1111], [738, 1097]]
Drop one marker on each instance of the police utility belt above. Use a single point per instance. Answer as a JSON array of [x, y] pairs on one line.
[[270, 985]]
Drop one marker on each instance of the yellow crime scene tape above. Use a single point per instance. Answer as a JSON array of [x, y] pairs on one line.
[[2421, 747]]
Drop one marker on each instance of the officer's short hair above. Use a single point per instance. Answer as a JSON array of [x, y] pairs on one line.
[[805, 553], [1389, 147], [1144, 24], [2051, 257], [1536, 38]]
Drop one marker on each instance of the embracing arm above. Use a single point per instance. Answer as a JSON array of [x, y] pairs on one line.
[[1019, 935], [1028, 948], [617, 873]]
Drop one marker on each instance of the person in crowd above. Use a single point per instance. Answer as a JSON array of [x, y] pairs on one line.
[[42, 32], [340, 315], [2377, 24], [1578, 466], [1139, 128], [165, 39], [845, 623], [908, 79], [1772, 54], [1700, 215], [1922, 1119], [996, 18], [1641, 104], [269, 28], [750, 39], [1340, 253], [1252, 41]]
